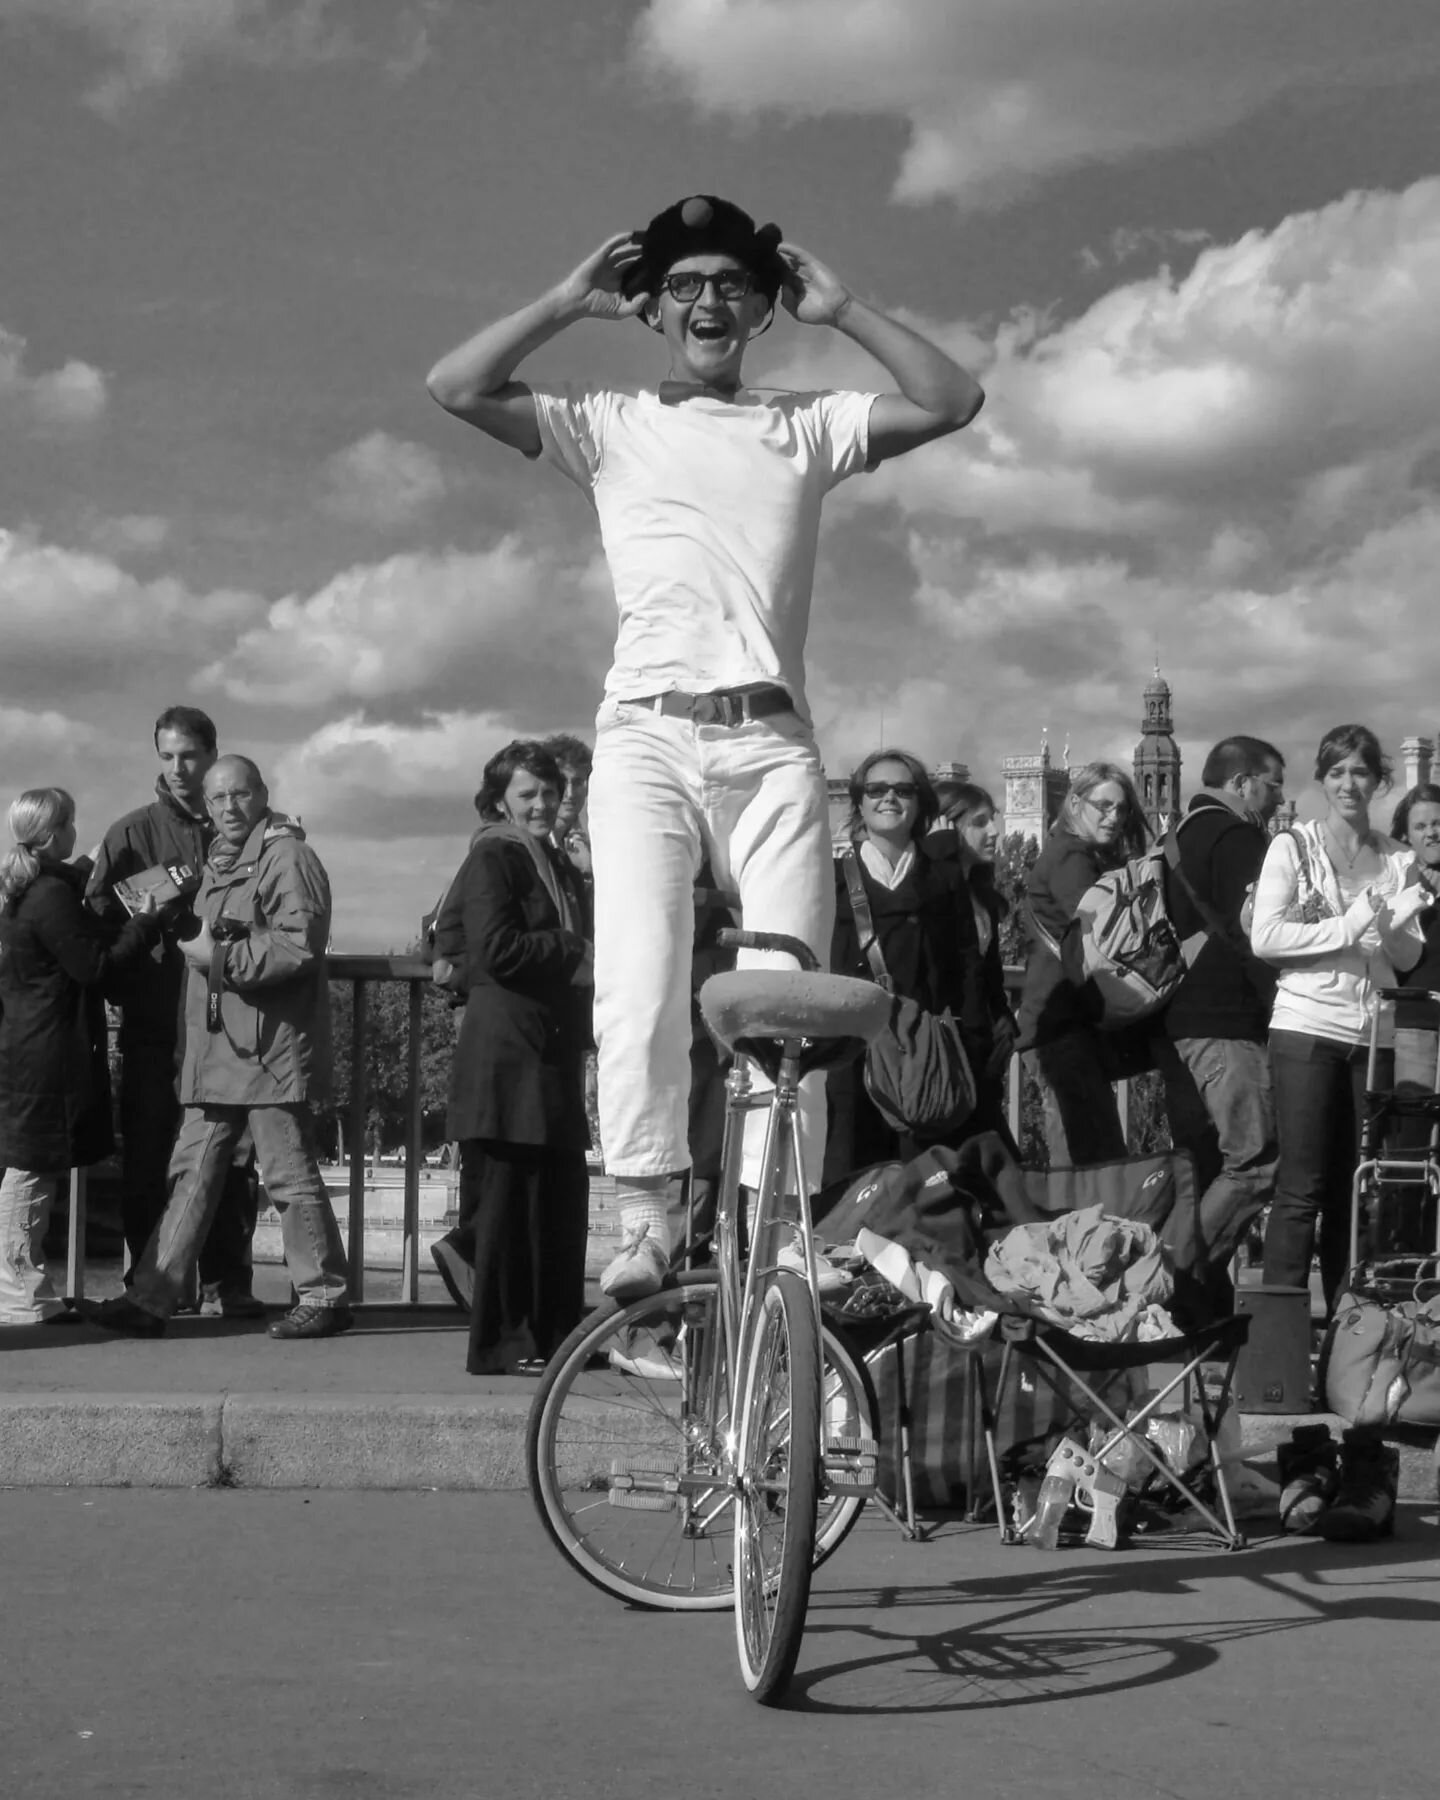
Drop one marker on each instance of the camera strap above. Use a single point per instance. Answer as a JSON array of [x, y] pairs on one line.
[[215, 985]]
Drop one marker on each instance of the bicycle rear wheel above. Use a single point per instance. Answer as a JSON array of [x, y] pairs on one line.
[[779, 1474], [627, 1463]]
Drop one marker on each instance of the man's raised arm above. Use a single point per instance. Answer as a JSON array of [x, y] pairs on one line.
[[936, 395], [475, 382]]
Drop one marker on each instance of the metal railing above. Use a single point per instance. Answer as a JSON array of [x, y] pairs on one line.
[[361, 972]]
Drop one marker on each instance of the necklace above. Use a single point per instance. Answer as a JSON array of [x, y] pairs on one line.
[[1339, 849]]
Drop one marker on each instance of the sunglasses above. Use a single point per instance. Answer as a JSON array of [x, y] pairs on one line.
[[689, 284], [877, 790]]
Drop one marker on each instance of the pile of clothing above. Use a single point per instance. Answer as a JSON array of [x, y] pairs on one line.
[[1094, 1275]]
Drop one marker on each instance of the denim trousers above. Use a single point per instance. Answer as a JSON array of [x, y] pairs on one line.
[[204, 1152], [665, 793], [26, 1293], [1221, 1107], [149, 1121], [1082, 1121], [1319, 1106]]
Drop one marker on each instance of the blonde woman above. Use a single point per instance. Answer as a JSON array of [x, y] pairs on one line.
[[1100, 826], [54, 1080]]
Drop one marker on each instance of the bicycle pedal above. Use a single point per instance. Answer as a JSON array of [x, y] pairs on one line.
[[850, 1464], [643, 1490]]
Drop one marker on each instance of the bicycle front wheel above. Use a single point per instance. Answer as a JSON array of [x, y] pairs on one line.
[[626, 1448], [779, 1479]]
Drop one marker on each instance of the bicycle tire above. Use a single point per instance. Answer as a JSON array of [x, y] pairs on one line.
[[661, 1559], [779, 1476]]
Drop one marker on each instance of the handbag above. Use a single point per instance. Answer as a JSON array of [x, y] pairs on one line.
[[1381, 1361], [444, 973], [917, 1071]]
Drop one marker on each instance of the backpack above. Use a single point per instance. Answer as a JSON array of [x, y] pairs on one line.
[[1123, 946]]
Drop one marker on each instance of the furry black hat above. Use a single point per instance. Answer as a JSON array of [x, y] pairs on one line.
[[703, 224]]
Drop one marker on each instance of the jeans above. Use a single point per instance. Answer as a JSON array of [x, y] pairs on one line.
[[664, 793], [204, 1152], [26, 1293], [149, 1120], [1082, 1121], [1319, 1106], [1221, 1107]]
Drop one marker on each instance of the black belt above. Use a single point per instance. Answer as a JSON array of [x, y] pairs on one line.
[[725, 706]]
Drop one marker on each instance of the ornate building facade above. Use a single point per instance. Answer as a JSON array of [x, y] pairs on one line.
[[1157, 758], [1033, 792]]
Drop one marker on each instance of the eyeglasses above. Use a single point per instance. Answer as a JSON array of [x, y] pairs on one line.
[[877, 790], [1107, 809], [689, 284]]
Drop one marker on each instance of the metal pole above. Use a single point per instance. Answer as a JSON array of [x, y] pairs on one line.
[[356, 1247], [75, 1253], [410, 1254]]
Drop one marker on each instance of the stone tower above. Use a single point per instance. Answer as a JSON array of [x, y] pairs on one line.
[[1157, 758], [1033, 792]]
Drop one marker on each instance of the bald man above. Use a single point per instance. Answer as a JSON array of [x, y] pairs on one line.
[[257, 1052]]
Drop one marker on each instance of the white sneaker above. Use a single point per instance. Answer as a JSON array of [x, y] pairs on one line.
[[828, 1278], [638, 1270], [646, 1357]]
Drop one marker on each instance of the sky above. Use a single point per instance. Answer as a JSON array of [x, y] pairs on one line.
[[1190, 247]]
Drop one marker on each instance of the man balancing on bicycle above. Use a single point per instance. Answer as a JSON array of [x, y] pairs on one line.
[[708, 495]]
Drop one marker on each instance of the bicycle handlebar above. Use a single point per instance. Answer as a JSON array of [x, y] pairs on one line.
[[733, 938], [1398, 993]]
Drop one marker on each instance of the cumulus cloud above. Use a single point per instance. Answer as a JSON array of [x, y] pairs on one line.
[[997, 93], [150, 43], [72, 395], [1236, 471], [382, 481], [78, 623], [510, 626]]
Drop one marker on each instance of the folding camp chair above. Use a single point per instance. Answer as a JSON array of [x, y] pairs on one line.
[[1068, 1365]]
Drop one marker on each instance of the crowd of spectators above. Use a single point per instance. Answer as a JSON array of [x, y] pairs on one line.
[[218, 974]]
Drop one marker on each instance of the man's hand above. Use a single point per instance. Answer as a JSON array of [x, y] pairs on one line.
[[197, 950], [595, 290], [812, 293]]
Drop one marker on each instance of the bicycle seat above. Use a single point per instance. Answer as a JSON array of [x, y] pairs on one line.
[[753, 1011]]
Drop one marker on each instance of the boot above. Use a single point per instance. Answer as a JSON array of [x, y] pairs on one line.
[[1364, 1505], [1309, 1469]]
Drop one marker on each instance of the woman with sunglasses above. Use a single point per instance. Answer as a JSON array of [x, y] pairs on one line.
[[1100, 826], [924, 924], [708, 495]]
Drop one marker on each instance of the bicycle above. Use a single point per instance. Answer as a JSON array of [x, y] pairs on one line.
[[647, 1475]]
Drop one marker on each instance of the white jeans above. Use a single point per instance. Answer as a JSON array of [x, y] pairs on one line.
[[26, 1293], [664, 793]]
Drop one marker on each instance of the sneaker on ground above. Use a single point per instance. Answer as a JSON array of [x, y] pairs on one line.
[[828, 1278], [1364, 1505], [638, 1270], [646, 1357], [1309, 1471], [309, 1320]]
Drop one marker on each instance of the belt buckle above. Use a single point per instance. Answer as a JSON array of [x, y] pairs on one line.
[[717, 709]]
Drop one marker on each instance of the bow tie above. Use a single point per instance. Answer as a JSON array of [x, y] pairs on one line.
[[673, 393]]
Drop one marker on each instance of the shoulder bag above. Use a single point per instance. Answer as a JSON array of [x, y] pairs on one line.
[[917, 1071]]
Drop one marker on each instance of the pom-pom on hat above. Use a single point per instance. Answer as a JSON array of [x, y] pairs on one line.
[[700, 225]]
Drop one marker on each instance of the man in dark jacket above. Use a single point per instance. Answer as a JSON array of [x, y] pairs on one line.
[[173, 829], [257, 1055], [1211, 1046]]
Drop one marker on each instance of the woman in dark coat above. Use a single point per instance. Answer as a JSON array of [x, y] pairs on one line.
[[54, 1076], [517, 1094], [925, 926], [1101, 825]]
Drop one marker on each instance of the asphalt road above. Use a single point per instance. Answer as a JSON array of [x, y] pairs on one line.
[[263, 1646]]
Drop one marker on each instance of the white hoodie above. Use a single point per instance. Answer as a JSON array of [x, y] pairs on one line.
[[1332, 958]]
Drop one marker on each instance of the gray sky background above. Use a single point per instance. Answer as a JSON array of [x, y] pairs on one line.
[[1192, 248]]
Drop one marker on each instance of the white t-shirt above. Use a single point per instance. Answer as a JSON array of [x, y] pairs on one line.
[[709, 513]]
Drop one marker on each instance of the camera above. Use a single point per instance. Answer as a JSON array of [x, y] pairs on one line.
[[229, 931]]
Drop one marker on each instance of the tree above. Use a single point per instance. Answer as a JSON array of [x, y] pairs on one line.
[[387, 1016]]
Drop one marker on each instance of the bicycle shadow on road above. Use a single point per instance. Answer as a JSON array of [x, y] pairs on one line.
[[1017, 1651]]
